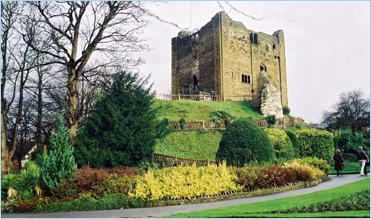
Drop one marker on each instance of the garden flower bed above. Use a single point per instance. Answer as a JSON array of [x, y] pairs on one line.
[[103, 189]]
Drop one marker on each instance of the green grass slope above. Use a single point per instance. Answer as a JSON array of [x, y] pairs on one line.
[[190, 144], [258, 209], [200, 110]]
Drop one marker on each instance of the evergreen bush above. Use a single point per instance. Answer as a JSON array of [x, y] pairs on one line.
[[60, 164], [121, 129], [281, 142], [286, 110], [295, 142], [315, 143], [271, 120], [242, 142]]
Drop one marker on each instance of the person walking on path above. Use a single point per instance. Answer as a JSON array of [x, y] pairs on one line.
[[339, 162], [367, 163], [362, 158]]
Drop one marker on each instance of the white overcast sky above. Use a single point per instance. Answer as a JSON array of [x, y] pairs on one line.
[[327, 45]]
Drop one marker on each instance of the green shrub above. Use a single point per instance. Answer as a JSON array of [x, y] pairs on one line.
[[60, 164], [350, 157], [243, 142], [89, 203], [281, 142], [222, 116], [315, 162], [182, 123], [348, 141], [315, 143], [26, 184], [286, 110], [121, 129], [294, 141], [271, 120]]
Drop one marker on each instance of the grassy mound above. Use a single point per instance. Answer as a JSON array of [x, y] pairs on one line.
[[200, 110], [190, 144]]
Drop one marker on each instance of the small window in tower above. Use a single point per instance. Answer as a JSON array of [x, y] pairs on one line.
[[274, 46], [243, 79], [255, 38], [248, 79], [251, 37]]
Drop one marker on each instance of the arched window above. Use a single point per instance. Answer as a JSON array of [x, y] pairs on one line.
[[263, 67]]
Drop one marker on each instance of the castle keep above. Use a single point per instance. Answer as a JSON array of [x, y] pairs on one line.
[[230, 59]]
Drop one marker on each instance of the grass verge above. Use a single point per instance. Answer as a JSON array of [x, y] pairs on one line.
[[249, 210], [200, 110], [190, 144], [349, 168]]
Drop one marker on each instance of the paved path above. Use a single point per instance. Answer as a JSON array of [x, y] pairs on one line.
[[169, 210]]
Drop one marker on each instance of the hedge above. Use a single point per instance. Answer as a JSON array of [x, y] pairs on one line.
[[281, 142], [315, 143]]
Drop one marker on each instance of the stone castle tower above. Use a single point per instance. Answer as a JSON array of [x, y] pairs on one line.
[[230, 59]]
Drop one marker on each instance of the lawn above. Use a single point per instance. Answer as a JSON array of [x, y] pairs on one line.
[[349, 167], [200, 110], [258, 209], [190, 144]]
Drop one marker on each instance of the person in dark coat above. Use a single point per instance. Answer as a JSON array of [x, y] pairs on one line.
[[339, 162]]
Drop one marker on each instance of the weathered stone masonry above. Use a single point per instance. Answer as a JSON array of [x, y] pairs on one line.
[[227, 57]]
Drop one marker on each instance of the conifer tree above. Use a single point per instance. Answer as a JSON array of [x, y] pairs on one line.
[[121, 129], [60, 164]]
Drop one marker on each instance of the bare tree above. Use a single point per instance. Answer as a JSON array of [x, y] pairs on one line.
[[77, 30], [8, 19], [351, 111]]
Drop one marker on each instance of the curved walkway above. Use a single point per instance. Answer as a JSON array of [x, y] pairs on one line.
[[175, 209]]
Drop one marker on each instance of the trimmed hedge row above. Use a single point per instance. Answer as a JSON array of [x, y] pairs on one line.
[[315, 143]]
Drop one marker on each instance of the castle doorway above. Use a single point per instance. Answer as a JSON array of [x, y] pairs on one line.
[[195, 81]]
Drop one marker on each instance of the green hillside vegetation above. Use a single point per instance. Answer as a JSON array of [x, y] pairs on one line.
[[190, 144], [200, 110]]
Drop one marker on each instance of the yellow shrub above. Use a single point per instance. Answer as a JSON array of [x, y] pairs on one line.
[[185, 182], [314, 173]]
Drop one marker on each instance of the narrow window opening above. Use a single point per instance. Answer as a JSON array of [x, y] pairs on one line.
[[274, 46], [251, 37], [243, 78], [255, 38], [248, 79], [263, 68]]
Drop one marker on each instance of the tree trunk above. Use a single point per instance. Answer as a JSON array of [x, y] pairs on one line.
[[73, 84], [4, 148], [39, 113]]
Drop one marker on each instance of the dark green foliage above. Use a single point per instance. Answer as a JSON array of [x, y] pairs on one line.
[[294, 141], [350, 157], [243, 142], [60, 164], [286, 110], [122, 127], [89, 203], [353, 202], [348, 141], [182, 123], [271, 120], [222, 116], [315, 143]]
